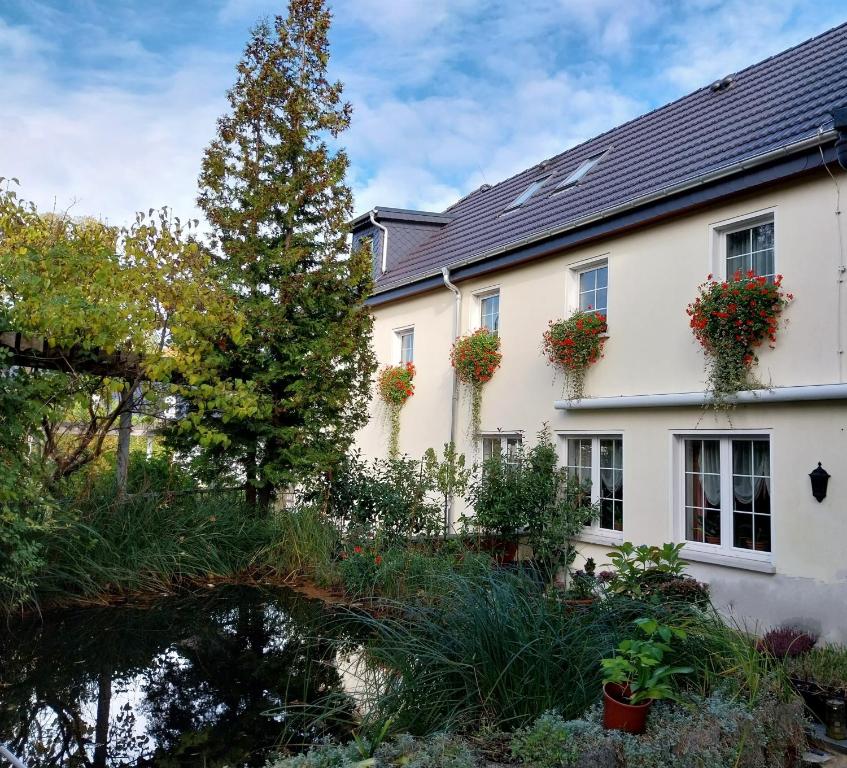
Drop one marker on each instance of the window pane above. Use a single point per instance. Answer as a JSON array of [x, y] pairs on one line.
[[743, 533], [712, 526], [607, 515], [762, 500], [763, 263], [693, 524], [407, 347], [763, 237], [602, 277], [738, 243], [762, 533], [600, 302], [490, 312], [587, 280], [742, 493], [761, 458], [694, 490], [742, 457]]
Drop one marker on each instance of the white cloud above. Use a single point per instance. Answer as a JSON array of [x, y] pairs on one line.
[[446, 93]]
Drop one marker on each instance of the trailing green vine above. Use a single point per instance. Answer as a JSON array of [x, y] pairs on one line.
[[730, 320], [572, 345], [475, 358], [395, 388]]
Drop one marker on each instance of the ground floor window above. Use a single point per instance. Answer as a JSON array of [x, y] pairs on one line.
[[726, 493], [505, 446], [597, 461]]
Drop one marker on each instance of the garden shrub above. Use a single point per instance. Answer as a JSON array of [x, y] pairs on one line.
[[439, 750], [403, 572], [531, 492], [544, 744], [714, 732], [783, 642], [826, 666], [389, 500]]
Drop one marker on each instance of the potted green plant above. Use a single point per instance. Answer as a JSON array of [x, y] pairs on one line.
[[637, 675], [582, 586]]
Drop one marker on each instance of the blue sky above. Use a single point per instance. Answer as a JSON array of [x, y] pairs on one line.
[[107, 104]]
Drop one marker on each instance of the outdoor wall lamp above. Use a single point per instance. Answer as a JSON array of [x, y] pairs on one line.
[[820, 478]]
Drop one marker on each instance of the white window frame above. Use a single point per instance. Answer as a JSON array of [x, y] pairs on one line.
[[575, 271], [720, 229], [725, 550], [595, 532], [504, 438], [397, 351], [476, 307]]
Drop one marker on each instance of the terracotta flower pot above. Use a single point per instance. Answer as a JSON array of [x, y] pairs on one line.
[[620, 716], [579, 603]]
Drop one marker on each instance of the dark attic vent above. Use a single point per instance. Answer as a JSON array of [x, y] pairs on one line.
[[723, 84]]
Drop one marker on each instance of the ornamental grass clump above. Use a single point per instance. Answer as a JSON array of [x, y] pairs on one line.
[[395, 388], [572, 345], [475, 358], [730, 320]]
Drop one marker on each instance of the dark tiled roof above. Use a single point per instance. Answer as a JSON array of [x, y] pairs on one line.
[[777, 102]]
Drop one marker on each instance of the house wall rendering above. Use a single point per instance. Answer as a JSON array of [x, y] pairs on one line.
[[768, 548]]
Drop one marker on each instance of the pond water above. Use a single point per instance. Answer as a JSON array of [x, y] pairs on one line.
[[218, 679]]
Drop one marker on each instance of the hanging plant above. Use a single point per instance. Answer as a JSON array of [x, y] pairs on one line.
[[730, 320], [475, 358], [574, 344], [395, 388]]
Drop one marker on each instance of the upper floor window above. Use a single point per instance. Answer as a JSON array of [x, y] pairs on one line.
[[489, 311], [406, 345], [750, 247], [726, 497], [597, 462], [593, 289]]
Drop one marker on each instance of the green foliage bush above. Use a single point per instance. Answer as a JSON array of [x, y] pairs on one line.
[[826, 666], [544, 744], [529, 492], [402, 572], [714, 732], [439, 750], [385, 500]]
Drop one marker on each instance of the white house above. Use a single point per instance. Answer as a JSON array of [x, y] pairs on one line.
[[741, 173]]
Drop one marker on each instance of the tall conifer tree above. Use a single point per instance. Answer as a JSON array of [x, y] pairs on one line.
[[274, 193]]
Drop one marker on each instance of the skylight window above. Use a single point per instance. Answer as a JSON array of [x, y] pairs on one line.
[[527, 193], [584, 167]]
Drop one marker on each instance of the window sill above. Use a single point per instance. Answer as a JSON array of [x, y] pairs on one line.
[[714, 558], [603, 539]]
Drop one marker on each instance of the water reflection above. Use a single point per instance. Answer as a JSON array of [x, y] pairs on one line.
[[184, 682]]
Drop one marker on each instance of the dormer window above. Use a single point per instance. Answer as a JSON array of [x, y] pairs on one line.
[[582, 169], [527, 193]]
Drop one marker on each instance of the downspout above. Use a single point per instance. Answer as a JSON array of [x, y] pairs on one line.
[[454, 394], [384, 239]]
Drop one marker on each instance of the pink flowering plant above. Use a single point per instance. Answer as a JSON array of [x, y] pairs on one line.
[[731, 319], [574, 344]]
